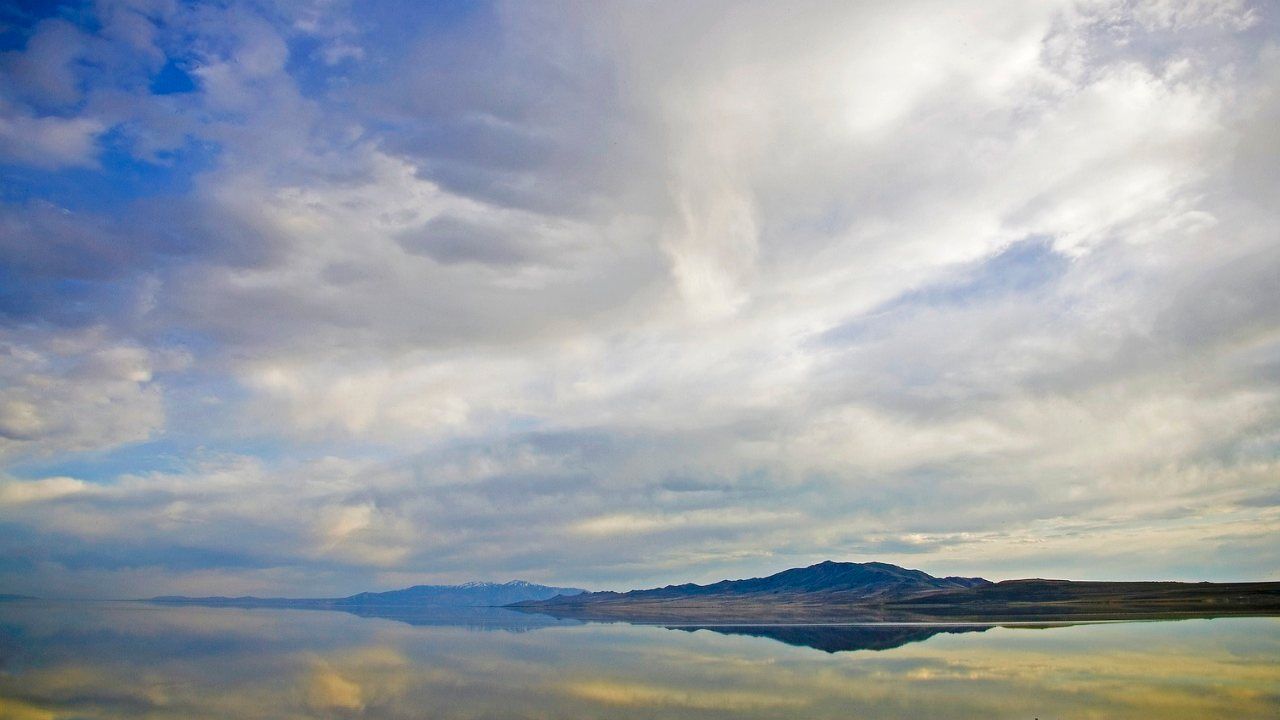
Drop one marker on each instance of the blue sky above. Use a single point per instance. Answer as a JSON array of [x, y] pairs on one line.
[[312, 297]]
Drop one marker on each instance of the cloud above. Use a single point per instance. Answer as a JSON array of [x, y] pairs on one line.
[[50, 142], [44, 72], [759, 285], [18, 492], [451, 240], [75, 392]]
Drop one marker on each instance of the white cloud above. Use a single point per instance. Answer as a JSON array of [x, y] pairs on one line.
[[76, 391], [50, 142], [17, 492]]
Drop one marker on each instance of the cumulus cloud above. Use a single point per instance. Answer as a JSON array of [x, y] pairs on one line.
[[77, 391], [719, 288]]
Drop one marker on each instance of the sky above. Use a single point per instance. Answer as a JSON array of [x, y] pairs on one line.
[[310, 297]]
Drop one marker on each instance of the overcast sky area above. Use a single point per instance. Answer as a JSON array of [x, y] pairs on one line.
[[312, 297]]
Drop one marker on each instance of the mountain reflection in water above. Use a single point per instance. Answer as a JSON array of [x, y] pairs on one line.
[[839, 638], [129, 660], [475, 618], [828, 638]]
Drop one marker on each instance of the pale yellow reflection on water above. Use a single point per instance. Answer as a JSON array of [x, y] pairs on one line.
[[125, 660]]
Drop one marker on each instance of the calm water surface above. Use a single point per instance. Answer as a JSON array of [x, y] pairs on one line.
[[126, 660]]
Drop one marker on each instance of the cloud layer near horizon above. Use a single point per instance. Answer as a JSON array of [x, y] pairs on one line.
[[327, 297]]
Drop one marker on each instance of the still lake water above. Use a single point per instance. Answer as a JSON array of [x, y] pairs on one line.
[[131, 660]]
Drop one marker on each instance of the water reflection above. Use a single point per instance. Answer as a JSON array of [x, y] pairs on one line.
[[839, 638], [473, 618], [127, 661]]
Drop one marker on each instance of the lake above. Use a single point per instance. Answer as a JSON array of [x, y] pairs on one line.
[[133, 660]]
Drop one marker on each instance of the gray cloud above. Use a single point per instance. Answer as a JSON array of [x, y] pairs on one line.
[[450, 240]]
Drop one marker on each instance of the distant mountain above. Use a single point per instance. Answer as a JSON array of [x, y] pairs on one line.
[[472, 594], [833, 581], [880, 592], [847, 579]]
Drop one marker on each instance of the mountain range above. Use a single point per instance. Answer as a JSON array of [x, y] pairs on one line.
[[828, 592], [880, 592], [833, 580], [472, 594]]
